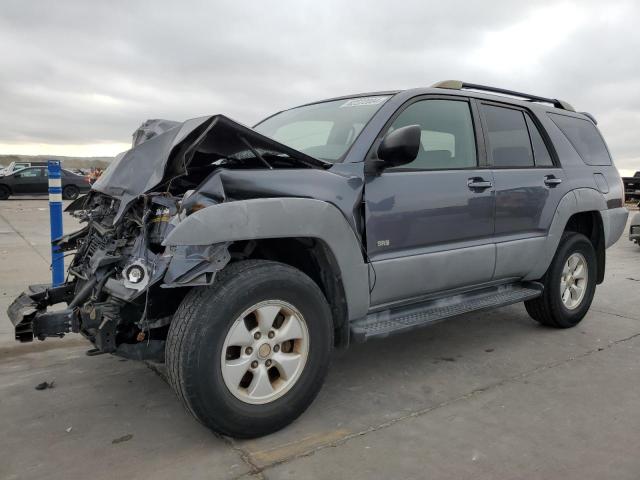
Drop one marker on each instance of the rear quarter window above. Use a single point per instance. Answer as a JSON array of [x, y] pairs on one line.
[[585, 138]]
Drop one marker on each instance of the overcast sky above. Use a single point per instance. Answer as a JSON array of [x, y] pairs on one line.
[[76, 78]]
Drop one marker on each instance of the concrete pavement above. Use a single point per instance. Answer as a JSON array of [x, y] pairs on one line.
[[486, 395]]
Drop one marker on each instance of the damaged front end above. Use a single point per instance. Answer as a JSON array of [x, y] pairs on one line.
[[123, 284]]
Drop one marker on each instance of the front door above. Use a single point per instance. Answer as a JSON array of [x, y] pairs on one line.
[[429, 223], [30, 180]]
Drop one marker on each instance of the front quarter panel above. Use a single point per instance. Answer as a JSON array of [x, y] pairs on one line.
[[265, 218]]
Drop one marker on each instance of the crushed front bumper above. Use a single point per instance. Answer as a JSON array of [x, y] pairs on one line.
[[29, 316]]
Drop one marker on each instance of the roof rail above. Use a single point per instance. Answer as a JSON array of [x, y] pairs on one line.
[[459, 85]]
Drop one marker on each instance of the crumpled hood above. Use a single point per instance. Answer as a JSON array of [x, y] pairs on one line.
[[163, 150]]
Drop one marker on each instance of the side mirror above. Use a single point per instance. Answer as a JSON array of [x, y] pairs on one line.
[[400, 146]]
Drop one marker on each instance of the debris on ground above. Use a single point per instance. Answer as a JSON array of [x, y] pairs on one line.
[[124, 438], [68, 429], [44, 385]]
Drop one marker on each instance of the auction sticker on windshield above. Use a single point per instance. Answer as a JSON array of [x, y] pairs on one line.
[[363, 101]]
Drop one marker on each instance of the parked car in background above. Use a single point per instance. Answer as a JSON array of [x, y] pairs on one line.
[[242, 256], [634, 229], [632, 187], [34, 181], [15, 166]]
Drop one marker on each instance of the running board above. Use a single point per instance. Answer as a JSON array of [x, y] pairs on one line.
[[382, 324]]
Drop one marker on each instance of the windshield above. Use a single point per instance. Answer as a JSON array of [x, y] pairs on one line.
[[323, 130]]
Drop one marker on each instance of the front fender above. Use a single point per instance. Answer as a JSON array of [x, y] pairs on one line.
[[264, 218]]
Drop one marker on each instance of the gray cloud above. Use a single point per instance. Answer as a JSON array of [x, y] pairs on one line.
[[76, 72]]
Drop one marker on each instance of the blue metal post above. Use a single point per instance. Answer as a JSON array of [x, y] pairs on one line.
[[55, 221]]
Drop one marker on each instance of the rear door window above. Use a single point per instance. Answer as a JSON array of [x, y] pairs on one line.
[[509, 143], [584, 137]]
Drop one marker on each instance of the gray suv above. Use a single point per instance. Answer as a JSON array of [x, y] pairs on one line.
[[242, 256]]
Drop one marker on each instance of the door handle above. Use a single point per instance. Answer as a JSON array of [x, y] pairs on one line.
[[551, 181], [478, 183]]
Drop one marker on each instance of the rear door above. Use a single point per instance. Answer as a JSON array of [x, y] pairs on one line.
[[529, 184], [429, 223], [40, 182]]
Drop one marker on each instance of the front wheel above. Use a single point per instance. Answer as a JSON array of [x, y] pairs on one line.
[[569, 284], [5, 193], [249, 354]]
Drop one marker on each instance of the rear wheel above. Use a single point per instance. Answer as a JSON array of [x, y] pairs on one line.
[[249, 354], [4, 193], [70, 192], [569, 284]]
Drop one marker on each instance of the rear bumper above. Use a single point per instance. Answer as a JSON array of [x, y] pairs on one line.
[[29, 316]]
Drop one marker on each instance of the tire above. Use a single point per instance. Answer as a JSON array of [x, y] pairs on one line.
[[70, 192], [5, 193], [206, 321], [550, 309]]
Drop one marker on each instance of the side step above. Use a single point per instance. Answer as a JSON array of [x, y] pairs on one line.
[[382, 324]]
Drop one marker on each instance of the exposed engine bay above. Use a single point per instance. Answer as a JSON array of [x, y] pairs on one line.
[[123, 283], [125, 278]]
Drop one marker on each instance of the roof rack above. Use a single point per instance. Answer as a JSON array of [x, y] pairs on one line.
[[459, 85]]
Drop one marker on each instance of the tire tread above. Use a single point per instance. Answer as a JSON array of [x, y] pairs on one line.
[[181, 333], [187, 325], [542, 309]]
